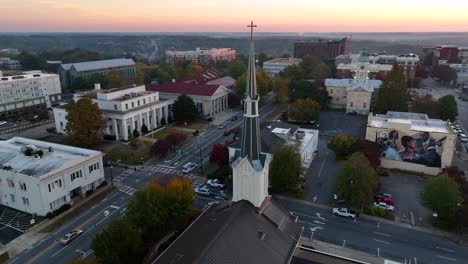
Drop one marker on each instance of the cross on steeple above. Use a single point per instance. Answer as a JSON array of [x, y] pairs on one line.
[[251, 26]]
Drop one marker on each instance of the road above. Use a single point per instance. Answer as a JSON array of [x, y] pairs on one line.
[[393, 242], [94, 220]]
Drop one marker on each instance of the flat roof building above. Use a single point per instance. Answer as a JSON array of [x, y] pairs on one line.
[[412, 141], [273, 67], [200, 55], [39, 177], [321, 48]]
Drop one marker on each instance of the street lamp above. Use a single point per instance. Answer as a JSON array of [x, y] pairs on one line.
[[111, 176]]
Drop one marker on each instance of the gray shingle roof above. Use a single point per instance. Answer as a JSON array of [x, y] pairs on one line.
[[237, 233], [101, 64]]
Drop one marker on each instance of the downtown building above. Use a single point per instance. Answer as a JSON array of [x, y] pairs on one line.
[[125, 109], [324, 49], [28, 92], [200, 55], [39, 177], [88, 70], [273, 67]]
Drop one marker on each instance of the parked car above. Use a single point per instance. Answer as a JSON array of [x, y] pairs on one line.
[[386, 200], [462, 138], [70, 236], [2, 123], [203, 191], [227, 133], [385, 206], [221, 126], [344, 212], [234, 118], [215, 183], [189, 167], [51, 130]]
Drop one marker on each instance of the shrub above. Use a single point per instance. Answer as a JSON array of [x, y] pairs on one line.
[[89, 192], [342, 145], [163, 121], [144, 129], [136, 133], [375, 211], [109, 137]]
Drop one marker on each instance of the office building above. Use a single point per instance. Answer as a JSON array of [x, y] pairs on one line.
[[200, 55], [324, 49], [39, 177], [273, 67], [125, 109], [87, 70]]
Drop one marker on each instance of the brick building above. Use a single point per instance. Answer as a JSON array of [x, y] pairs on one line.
[[325, 49]]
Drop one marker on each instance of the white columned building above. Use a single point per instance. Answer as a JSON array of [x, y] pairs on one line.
[[125, 109]]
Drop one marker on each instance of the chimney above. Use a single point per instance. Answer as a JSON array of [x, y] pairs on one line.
[[97, 86]]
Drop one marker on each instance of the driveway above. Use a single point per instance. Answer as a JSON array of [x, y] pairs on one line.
[[405, 190]]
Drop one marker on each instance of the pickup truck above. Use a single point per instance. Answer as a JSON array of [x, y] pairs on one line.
[[345, 213]]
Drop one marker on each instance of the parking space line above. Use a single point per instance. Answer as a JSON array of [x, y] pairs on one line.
[[382, 234], [381, 241], [445, 249], [452, 259]]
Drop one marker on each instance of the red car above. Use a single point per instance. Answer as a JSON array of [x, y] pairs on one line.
[[387, 200]]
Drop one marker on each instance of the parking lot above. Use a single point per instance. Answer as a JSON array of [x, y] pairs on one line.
[[405, 190], [336, 122]]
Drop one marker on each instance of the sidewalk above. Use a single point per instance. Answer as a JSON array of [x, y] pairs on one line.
[[34, 234]]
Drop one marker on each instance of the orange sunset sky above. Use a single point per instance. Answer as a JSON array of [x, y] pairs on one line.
[[232, 16]]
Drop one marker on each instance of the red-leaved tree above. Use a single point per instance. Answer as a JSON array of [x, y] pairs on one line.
[[160, 148], [219, 154], [370, 150], [174, 139]]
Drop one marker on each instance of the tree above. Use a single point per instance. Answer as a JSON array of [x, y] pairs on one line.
[[119, 242], [305, 89], [303, 110], [263, 84], [370, 149], [426, 105], [219, 154], [285, 168], [443, 196], [163, 121], [321, 71], [448, 108], [174, 139], [144, 129], [281, 90], [262, 57], [115, 80], [30, 62], [85, 124], [342, 145], [294, 73], [393, 95], [428, 59], [184, 109], [178, 201], [236, 68], [445, 73], [135, 133], [160, 148], [357, 181]]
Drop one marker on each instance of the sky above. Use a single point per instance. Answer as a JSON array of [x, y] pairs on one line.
[[233, 15]]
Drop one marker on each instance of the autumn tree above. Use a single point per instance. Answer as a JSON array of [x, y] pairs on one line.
[[184, 109], [160, 148], [443, 196], [393, 95], [342, 145], [357, 181], [174, 139], [370, 149], [119, 242], [85, 124], [285, 168], [303, 110], [116, 79], [264, 84], [178, 200], [426, 105], [448, 107], [445, 73], [219, 154], [281, 90]]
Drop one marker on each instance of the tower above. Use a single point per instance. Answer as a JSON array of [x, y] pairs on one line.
[[250, 166]]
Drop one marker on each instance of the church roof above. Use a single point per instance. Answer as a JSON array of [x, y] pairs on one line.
[[237, 232], [184, 88]]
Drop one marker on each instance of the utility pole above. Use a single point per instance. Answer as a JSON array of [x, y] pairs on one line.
[[111, 176]]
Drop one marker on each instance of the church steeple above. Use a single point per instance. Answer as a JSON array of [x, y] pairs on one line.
[[250, 143]]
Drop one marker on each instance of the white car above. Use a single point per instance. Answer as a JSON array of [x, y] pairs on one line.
[[203, 191], [463, 138], [189, 167], [344, 213], [70, 236], [2, 123], [215, 183], [385, 206], [222, 126]]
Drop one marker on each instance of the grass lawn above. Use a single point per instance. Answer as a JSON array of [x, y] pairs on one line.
[[207, 168], [166, 131], [129, 155], [195, 125]]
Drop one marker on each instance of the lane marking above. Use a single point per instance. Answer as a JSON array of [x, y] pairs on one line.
[[446, 249], [309, 216], [318, 222], [452, 259], [313, 229], [113, 206], [382, 234], [381, 241]]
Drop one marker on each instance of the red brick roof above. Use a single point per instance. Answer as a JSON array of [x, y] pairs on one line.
[[184, 88]]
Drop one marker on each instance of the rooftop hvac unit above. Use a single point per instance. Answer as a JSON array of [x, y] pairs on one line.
[[300, 134]]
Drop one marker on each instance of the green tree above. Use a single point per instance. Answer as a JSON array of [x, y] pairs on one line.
[[285, 168], [342, 145], [31, 62], [443, 196], [393, 95], [281, 90], [448, 107], [116, 80], [303, 110], [357, 181], [178, 201], [184, 109], [85, 123], [305, 89], [264, 84], [163, 121], [119, 243], [236, 68], [294, 73], [135, 133], [144, 129]]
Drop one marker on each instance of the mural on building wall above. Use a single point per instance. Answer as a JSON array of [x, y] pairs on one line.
[[421, 148]]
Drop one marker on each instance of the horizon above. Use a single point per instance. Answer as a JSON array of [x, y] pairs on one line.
[[183, 16]]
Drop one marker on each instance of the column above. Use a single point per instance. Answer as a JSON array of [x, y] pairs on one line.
[[155, 122], [116, 131], [140, 122], [133, 124], [226, 101], [125, 129], [160, 115], [148, 120], [166, 113]]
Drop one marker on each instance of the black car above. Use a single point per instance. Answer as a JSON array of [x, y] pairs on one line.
[[51, 130], [234, 118]]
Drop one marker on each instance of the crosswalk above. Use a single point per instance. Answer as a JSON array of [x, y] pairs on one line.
[[128, 190], [122, 176], [173, 171]]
